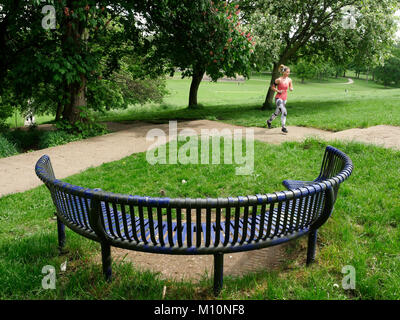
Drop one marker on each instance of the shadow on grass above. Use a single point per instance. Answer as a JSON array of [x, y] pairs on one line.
[[21, 263], [227, 112]]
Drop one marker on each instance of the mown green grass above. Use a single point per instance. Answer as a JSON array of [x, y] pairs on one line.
[[363, 231], [319, 104]]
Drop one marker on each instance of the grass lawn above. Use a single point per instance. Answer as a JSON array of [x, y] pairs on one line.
[[363, 231], [320, 104], [323, 105]]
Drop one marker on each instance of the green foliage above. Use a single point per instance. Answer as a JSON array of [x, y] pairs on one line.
[[56, 138], [82, 130], [7, 148], [6, 109], [24, 139], [200, 36], [305, 70], [58, 63], [21, 140], [130, 85], [286, 33], [389, 73]]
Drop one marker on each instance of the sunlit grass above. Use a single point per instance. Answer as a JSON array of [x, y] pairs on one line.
[[330, 104], [363, 231]]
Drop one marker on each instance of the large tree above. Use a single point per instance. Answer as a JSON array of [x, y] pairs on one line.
[[199, 37], [86, 44], [285, 29]]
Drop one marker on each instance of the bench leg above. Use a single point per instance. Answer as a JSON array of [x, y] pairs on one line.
[[218, 272], [61, 236], [312, 243], [106, 260]]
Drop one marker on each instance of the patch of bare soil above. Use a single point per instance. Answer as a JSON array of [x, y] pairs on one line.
[[195, 267]]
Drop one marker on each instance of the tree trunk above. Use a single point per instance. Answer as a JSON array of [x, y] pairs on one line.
[[72, 44], [77, 100], [59, 111], [268, 103], [198, 74]]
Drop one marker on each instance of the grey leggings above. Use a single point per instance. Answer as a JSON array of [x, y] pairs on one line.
[[280, 108]]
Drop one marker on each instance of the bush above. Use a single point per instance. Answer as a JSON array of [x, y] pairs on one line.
[[7, 148], [18, 140], [5, 112], [24, 139], [82, 130], [67, 132], [54, 138]]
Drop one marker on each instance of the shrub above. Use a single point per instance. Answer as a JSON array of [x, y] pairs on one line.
[[7, 148], [5, 112], [24, 139], [82, 130], [54, 138]]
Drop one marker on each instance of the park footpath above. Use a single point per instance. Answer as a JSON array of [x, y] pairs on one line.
[[17, 172]]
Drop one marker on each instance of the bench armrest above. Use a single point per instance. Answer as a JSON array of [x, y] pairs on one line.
[[294, 184]]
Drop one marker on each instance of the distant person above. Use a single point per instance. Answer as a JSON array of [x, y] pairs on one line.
[[29, 119], [281, 86]]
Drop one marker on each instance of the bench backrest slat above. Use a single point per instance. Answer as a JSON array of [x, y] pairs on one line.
[[189, 227], [262, 223], [134, 220]]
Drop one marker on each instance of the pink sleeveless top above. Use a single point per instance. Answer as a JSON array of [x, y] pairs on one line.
[[284, 86]]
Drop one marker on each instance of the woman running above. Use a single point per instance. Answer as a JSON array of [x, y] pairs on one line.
[[281, 86]]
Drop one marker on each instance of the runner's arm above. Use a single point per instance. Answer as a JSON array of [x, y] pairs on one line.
[[274, 88]]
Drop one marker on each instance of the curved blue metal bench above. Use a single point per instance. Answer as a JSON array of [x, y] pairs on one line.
[[198, 226]]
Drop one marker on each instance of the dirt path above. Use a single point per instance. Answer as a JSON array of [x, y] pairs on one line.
[[17, 172], [17, 175], [349, 81]]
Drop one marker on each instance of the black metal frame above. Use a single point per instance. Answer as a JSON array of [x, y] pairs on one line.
[[241, 223]]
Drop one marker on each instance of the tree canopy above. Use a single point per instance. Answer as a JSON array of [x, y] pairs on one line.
[[73, 65], [286, 31], [389, 72], [199, 37]]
